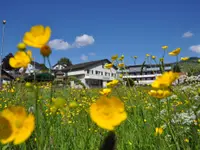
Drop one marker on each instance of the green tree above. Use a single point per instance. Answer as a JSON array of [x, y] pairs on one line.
[[65, 61]]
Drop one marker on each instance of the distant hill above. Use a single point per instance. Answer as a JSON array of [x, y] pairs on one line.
[[191, 66]]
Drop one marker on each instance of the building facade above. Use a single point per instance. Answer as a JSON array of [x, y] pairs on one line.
[[147, 76], [91, 74]]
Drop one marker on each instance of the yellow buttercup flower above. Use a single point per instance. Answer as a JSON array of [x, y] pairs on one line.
[[38, 36], [153, 57], [121, 65], [147, 55], [21, 59], [114, 57], [184, 58], [105, 91], [186, 140], [5, 128], [159, 131], [28, 84], [73, 104], [112, 83], [58, 102], [121, 75], [165, 80], [121, 58], [175, 52], [135, 57], [108, 66], [165, 47], [21, 46], [20, 124], [108, 113], [159, 93]]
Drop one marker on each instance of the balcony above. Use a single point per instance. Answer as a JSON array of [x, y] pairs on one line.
[[141, 76], [98, 77]]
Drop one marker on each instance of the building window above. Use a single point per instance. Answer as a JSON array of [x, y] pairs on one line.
[[88, 71], [92, 71], [101, 73]]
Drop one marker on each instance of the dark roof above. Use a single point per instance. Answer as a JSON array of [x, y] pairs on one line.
[[6, 74], [86, 65], [64, 65], [38, 65]]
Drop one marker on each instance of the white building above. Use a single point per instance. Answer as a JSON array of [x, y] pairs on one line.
[[34, 67], [59, 66], [91, 74], [149, 73]]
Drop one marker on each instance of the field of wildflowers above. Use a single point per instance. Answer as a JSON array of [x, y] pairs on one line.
[[43, 116]]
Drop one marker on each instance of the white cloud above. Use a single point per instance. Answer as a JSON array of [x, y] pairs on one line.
[[195, 48], [80, 41], [187, 34], [59, 44], [84, 57], [92, 54], [83, 40]]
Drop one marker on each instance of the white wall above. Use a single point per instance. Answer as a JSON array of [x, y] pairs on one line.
[[107, 73], [74, 73], [83, 75]]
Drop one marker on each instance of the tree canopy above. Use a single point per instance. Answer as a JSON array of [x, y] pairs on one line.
[[65, 61]]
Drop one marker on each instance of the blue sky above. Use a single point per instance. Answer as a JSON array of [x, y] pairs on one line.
[[126, 27]]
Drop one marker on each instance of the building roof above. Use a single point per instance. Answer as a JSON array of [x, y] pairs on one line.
[[38, 65], [6, 74], [86, 65]]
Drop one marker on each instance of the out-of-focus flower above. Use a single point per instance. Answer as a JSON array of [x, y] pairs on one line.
[[153, 57], [21, 59], [121, 75], [17, 125], [121, 65], [165, 80], [45, 51], [38, 36], [21, 46], [159, 131], [28, 84], [121, 58], [184, 58], [108, 66], [112, 83], [186, 140], [105, 91], [58, 102], [114, 57], [175, 52], [135, 57], [147, 55], [164, 47], [159, 93], [73, 104], [108, 113]]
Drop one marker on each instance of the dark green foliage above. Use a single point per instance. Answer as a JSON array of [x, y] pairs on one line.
[[39, 77], [176, 68], [142, 67], [65, 61]]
